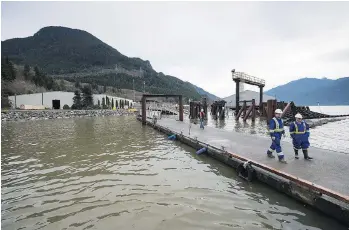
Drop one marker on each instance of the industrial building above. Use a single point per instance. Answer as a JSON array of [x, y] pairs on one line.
[[54, 100]]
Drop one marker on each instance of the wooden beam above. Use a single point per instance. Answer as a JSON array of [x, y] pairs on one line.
[[286, 109], [239, 114], [248, 112]]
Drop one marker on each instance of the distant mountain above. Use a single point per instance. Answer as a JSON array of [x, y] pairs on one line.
[[204, 93], [76, 55], [246, 95], [311, 91]]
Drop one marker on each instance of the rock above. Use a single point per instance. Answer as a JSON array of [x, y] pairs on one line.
[[58, 114]]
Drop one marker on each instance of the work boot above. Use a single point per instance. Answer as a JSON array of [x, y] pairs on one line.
[[282, 160], [305, 153], [296, 153], [270, 154]]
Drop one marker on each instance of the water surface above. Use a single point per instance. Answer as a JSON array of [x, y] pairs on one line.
[[113, 173], [332, 136]]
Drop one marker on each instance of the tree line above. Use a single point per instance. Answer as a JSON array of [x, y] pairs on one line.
[[9, 74], [110, 104], [39, 78], [84, 100]]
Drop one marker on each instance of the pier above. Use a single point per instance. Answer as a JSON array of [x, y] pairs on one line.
[[321, 183]]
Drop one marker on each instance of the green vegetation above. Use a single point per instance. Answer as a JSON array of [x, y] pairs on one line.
[[42, 79], [7, 75], [10, 85], [77, 104], [8, 72], [66, 106], [104, 106], [84, 99], [87, 99], [79, 57]]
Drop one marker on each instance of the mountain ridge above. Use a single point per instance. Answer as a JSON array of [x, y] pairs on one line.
[[311, 91], [76, 55]]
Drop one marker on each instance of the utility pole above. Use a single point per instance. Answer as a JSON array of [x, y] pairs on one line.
[[143, 86]]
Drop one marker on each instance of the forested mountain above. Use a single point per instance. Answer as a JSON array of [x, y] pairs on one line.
[[76, 55]]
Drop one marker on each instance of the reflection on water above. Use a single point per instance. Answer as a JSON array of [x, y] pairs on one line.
[[321, 136], [113, 173]]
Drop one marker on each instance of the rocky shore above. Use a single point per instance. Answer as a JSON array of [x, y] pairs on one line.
[[26, 115]]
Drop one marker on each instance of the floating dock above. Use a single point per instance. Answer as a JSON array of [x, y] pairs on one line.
[[321, 183]]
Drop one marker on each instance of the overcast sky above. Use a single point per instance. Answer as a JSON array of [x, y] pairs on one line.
[[201, 42]]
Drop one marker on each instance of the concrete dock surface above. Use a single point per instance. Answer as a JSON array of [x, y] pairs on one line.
[[328, 168]]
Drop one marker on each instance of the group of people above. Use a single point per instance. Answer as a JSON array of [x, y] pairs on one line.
[[299, 131]]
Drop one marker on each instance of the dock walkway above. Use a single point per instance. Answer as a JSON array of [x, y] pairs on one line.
[[328, 169]]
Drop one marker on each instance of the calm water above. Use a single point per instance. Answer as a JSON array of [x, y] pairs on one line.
[[112, 173]]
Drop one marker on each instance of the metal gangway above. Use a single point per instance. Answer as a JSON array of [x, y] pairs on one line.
[[243, 77]]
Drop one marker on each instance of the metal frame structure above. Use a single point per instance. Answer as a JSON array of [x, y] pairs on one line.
[[144, 102], [248, 79]]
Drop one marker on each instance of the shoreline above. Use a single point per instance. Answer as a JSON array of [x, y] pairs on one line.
[[32, 115]]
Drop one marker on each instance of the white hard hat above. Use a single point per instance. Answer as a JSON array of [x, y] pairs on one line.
[[298, 115], [278, 111], [202, 110]]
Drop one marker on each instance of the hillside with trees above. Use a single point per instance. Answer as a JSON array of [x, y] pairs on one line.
[[77, 56], [18, 80]]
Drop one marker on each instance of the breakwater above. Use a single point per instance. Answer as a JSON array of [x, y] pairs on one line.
[[322, 121], [27, 115]]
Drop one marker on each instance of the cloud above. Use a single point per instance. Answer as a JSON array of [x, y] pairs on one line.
[[340, 55], [201, 42]]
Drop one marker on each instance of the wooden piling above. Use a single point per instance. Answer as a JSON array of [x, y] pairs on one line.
[[269, 110], [261, 99], [237, 96], [144, 111], [245, 108], [239, 113], [180, 107], [253, 110]]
